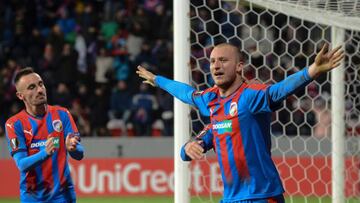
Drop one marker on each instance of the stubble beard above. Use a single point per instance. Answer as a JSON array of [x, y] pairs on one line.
[[41, 102], [225, 83]]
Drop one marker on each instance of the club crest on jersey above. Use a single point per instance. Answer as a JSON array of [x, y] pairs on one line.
[[223, 127], [233, 109], [14, 143], [57, 125]]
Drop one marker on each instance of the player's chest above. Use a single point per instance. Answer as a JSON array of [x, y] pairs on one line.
[[36, 132], [225, 117]]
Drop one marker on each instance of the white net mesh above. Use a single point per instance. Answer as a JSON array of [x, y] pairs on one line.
[[277, 45], [341, 13]]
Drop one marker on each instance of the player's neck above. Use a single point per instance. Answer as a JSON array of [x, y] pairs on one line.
[[226, 91], [37, 111]]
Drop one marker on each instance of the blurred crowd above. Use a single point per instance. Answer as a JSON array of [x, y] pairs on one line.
[[87, 53]]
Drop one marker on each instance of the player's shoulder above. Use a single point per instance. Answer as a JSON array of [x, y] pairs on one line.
[[53, 108], [20, 115], [210, 90], [256, 85]]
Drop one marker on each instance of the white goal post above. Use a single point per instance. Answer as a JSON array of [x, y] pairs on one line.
[[338, 16], [181, 111]]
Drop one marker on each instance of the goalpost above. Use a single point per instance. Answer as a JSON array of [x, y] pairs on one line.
[[279, 37]]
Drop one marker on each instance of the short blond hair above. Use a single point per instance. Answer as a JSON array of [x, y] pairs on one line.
[[239, 53]]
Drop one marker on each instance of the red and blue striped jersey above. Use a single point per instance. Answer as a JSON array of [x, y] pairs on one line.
[[49, 181], [240, 132]]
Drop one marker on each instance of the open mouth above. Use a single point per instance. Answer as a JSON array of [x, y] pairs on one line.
[[218, 73]]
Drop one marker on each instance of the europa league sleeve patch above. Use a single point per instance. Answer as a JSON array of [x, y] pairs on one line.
[[14, 143], [197, 93]]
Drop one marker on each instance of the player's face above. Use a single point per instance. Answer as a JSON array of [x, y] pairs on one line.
[[31, 90], [224, 66]]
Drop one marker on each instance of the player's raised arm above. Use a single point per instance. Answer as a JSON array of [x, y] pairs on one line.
[[179, 90], [326, 61]]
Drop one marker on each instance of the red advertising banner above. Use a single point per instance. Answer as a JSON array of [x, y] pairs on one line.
[[105, 177]]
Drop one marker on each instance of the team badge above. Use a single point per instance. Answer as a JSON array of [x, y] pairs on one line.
[[57, 125], [233, 108], [14, 144]]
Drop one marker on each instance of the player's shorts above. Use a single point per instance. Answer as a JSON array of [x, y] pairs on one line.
[[276, 199]]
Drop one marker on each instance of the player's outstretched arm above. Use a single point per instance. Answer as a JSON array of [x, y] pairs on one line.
[[179, 90], [326, 60]]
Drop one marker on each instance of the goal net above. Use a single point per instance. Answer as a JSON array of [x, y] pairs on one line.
[[279, 38]]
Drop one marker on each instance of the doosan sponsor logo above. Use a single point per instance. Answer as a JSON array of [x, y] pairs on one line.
[[223, 127], [37, 144]]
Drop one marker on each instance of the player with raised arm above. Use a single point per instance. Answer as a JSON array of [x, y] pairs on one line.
[[40, 137], [240, 116]]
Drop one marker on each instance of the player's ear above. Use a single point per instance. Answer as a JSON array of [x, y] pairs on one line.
[[20, 95], [239, 66]]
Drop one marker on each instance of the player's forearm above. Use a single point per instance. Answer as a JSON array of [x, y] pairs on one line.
[[179, 90], [25, 163], [279, 91], [78, 154]]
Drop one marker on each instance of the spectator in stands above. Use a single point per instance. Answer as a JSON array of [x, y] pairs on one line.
[[66, 71], [120, 102], [143, 106], [104, 64], [145, 56], [323, 117], [56, 40], [62, 96], [99, 105], [80, 47]]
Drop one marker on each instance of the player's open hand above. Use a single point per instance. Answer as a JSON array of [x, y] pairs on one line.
[[194, 150], [71, 142], [326, 60], [50, 146], [147, 75]]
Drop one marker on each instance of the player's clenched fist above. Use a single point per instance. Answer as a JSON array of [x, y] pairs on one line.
[[49, 146], [71, 142], [194, 150]]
